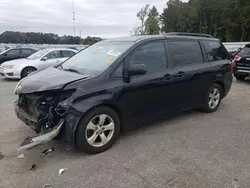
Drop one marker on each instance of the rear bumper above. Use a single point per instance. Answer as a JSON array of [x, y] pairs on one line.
[[241, 72]]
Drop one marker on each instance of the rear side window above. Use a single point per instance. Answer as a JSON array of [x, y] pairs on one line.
[[153, 55], [215, 51], [185, 52]]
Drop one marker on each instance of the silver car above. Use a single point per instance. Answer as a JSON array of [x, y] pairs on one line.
[[40, 60]]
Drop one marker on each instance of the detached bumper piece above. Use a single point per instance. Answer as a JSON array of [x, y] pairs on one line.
[[29, 142]]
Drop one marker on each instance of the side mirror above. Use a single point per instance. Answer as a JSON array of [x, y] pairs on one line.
[[5, 54], [137, 69], [44, 59]]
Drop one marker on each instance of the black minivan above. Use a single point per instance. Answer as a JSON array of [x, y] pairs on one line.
[[118, 83]]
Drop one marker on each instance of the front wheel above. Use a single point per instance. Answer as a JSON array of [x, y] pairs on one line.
[[98, 130], [213, 98], [26, 71]]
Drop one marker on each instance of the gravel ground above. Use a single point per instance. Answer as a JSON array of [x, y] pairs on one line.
[[191, 150]]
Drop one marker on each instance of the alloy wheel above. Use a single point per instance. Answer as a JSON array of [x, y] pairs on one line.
[[214, 98], [29, 70], [100, 130]]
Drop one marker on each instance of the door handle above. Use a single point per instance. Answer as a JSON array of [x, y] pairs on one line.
[[167, 77], [180, 74]]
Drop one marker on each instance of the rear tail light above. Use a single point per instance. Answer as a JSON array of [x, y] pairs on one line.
[[232, 65], [237, 58]]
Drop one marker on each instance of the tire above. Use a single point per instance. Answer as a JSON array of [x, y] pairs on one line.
[[26, 71], [214, 91], [240, 77], [91, 126]]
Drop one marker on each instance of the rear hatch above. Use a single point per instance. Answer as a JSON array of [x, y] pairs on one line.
[[242, 59]]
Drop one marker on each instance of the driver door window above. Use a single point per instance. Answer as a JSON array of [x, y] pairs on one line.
[[53, 55], [152, 55]]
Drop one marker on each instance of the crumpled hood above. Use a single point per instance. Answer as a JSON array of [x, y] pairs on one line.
[[48, 79], [22, 61]]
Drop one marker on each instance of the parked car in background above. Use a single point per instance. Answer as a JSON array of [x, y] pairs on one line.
[[79, 48], [40, 60], [242, 63], [117, 83], [234, 52], [15, 53]]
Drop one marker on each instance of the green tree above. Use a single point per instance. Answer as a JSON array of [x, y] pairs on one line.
[[173, 17], [152, 22], [228, 20], [43, 38], [142, 15]]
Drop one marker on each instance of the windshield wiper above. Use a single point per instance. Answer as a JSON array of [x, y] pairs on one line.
[[58, 66], [72, 70]]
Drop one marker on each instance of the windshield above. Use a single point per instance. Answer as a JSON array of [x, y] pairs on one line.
[[38, 54], [96, 58]]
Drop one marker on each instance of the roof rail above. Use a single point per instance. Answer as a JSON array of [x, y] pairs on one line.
[[190, 34]]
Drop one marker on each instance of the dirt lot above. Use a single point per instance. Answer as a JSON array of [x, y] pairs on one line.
[[191, 150]]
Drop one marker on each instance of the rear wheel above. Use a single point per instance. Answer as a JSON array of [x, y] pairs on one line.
[[240, 77], [26, 71], [98, 130], [213, 98]]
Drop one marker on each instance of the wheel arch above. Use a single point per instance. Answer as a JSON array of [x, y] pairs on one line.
[[29, 66], [222, 85], [111, 106]]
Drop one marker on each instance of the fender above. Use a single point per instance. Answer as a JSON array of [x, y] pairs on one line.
[[78, 107]]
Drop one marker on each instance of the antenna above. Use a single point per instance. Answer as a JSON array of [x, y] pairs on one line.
[[74, 19]]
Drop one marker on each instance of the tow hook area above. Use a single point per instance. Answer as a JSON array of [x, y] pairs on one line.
[[29, 142]]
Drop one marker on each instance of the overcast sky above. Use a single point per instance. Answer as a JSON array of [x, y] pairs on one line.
[[105, 18]]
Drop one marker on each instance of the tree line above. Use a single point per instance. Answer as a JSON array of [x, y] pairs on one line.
[[228, 20], [44, 38]]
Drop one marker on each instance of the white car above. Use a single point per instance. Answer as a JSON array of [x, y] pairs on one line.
[[40, 60]]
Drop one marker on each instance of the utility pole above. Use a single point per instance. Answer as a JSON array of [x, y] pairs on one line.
[[74, 19], [80, 36]]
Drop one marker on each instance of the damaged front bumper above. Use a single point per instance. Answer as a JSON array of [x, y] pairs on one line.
[[64, 128], [25, 117], [29, 143]]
